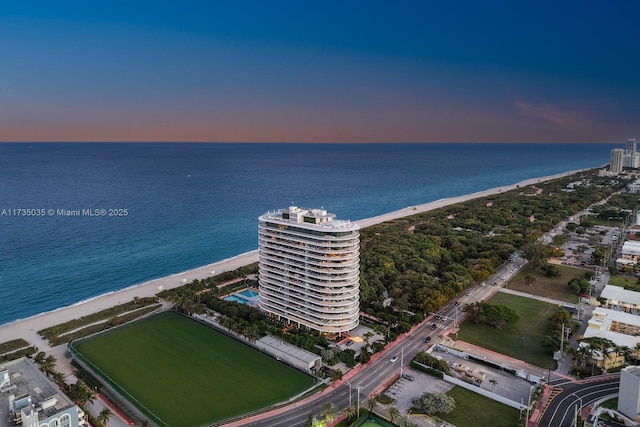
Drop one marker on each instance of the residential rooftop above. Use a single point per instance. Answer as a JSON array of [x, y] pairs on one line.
[[313, 217], [620, 294], [22, 379]]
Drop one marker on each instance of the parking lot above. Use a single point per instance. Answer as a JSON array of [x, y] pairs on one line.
[[506, 384]]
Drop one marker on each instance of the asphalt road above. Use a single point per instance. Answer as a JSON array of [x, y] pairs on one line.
[[570, 397], [368, 380]]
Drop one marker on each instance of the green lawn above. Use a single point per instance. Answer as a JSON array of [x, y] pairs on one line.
[[521, 340], [555, 288], [188, 374], [474, 410], [623, 281]]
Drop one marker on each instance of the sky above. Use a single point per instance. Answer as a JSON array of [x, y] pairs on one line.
[[331, 71]]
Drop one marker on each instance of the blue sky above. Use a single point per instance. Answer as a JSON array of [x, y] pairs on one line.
[[319, 71]]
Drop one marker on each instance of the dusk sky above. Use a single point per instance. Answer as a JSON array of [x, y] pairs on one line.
[[349, 71]]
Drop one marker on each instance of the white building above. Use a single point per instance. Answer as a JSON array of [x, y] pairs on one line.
[[309, 268], [629, 256], [29, 399], [631, 147], [621, 299], [617, 160], [616, 326], [629, 392]]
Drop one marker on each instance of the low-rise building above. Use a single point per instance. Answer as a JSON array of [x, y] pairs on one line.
[[620, 299], [629, 257], [616, 326], [29, 399]]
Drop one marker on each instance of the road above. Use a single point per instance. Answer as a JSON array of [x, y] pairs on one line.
[[382, 370], [570, 397], [368, 380]]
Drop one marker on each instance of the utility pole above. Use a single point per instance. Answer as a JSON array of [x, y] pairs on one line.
[[562, 341]]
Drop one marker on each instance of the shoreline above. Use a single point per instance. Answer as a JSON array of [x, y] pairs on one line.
[[28, 327]]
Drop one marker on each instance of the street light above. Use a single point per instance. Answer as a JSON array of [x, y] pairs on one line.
[[358, 402], [575, 421]]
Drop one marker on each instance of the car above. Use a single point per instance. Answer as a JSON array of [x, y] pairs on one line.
[[468, 294], [427, 339], [350, 342], [394, 359], [457, 303], [433, 326], [408, 377]]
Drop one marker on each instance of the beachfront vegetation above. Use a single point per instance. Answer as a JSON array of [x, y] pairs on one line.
[[15, 349], [419, 263], [189, 362], [96, 322]]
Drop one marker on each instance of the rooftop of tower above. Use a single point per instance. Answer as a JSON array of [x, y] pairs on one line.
[[317, 217]]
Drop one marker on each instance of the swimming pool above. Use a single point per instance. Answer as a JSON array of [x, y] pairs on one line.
[[249, 293], [236, 299], [247, 296]]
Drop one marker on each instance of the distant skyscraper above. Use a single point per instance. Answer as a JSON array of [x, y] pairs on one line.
[[309, 268], [617, 159], [631, 147]]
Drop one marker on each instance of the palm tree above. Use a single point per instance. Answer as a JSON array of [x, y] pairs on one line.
[[371, 404], [329, 412], [493, 382], [145, 423], [39, 358], [104, 416], [349, 412], [393, 413], [82, 394], [48, 365], [59, 378]]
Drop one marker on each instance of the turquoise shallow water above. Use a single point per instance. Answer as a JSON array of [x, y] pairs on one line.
[[173, 207]]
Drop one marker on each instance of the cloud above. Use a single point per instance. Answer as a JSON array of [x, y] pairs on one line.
[[558, 116]]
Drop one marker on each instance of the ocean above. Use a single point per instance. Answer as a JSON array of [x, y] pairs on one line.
[[78, 220]]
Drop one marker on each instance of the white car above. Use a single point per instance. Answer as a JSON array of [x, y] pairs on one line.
[[394, 359]]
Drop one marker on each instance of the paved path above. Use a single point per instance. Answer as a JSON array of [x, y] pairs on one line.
[[536, 297]]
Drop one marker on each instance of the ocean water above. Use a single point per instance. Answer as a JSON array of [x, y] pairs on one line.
[[188, 205]]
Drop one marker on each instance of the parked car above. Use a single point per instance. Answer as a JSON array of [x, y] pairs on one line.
[[350, 342], [408, 377]]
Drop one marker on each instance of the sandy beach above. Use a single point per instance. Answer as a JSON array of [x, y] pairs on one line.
[[27, 328]]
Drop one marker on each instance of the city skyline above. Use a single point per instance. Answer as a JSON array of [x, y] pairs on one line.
[[288, 72]]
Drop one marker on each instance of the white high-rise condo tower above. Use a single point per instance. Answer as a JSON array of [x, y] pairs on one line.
[[617, 158], [309, 268], [631, 147]]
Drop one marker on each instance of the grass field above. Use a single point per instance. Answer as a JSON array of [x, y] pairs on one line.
[[474, 410], [555, 288], [521, 340], [623, 281], [188, 374]]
